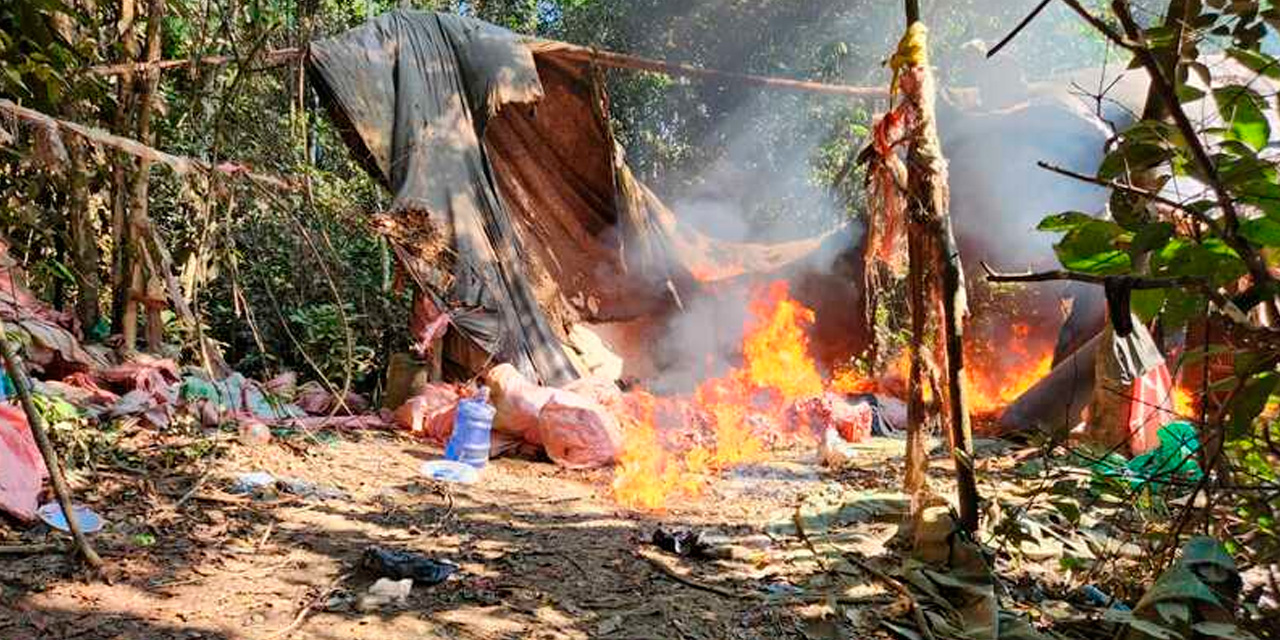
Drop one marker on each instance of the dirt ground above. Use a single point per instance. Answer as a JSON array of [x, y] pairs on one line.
[[543, 553]]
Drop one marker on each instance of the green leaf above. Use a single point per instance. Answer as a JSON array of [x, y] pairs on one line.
[[1154, 630], [1212, 259], [1180, 306], [1250, 401], [1179, 584], [1188, 93], [1243, 109], [1256, 61], [1264, 232], [1064, 221], [1222, 630], [1133, 156], [1091, 248], [1151, 237], [1174, 612], [1147, 303]]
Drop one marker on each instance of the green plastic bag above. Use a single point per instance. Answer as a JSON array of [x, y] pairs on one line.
[[1175, 458]]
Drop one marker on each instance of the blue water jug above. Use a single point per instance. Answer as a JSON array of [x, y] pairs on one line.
[[471, 426]]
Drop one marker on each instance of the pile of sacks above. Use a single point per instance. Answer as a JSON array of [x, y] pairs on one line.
[[575, 426]]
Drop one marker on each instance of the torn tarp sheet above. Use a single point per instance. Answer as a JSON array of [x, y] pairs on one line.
[[22, 470], [522, 220]]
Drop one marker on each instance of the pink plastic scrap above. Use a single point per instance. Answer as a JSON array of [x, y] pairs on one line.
[[22, 470]]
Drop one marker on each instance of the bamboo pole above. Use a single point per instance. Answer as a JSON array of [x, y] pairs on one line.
[[625, 61], [565, 50], [17, 373], [181, 165]]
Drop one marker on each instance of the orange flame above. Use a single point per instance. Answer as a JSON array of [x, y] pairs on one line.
[[746, 411], [989, 391], [1184, 402], [776, 349], [742, 408]]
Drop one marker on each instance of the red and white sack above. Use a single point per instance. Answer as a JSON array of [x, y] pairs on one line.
[[579, 433], [602, 391], [430, 413], [518, 402]]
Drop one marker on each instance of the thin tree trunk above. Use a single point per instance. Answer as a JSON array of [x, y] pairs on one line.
[[18, 374], [928, 207], [83, 236], [138, 217], [122, 125], [917, 418]]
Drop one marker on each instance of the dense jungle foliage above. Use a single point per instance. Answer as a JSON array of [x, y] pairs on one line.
[[275, 277]]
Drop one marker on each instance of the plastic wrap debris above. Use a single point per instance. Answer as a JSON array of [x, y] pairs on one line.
[[22, 470], [141, 372], [593, 354], [284, 385], [892, 414], [254, 432], [79, 389], [681, 542], [701, 545], [1193, 599], [833, 450], [1133, 397], [578, 433], [853, 421], [252, 482], [1174, 459], [51, 340], [399, 565], [261, 483], [518, 402], [603, 391], [52, 515], [153, 407], [450, 471], [430, 413], [232, 398], [314, 399], [1096, 597], [385, 592]]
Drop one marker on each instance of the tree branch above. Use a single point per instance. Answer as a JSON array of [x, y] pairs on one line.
[[1075, 276], [1134, 190], [1018, 28], [179, 164], [1132, 41], [13, 366]]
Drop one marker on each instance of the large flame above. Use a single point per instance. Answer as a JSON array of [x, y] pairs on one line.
[[673, 446], [996, 375], [776, 348], [745, 409]]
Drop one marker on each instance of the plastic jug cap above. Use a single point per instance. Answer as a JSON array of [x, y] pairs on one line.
[[482, 394]]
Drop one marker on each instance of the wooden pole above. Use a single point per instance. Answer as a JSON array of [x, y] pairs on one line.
[[181, 165], [566, 50], [928, 203], [624, 61], [18, 374]]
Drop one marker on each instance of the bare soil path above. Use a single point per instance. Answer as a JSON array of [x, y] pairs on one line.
[[543, 553]]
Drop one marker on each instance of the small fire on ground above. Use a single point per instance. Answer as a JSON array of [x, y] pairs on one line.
[[673, 446]]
